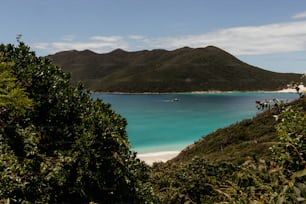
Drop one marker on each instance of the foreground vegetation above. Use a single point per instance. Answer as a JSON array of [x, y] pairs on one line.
[[58, 145]]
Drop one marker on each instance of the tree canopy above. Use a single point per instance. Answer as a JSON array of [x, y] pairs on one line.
[[57, 143]]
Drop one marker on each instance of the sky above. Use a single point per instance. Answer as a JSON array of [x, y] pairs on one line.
[[270, 34]]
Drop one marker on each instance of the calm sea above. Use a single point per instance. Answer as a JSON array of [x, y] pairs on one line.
[[168, 122]]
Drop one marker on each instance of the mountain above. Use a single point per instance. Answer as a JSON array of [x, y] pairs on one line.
[[182, 70]]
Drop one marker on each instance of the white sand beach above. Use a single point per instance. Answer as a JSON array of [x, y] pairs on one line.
[[150, 158], [291, 90]]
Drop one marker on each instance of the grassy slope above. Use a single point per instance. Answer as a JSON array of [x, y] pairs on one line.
[[181, 70], [213, 170], [238, 142]]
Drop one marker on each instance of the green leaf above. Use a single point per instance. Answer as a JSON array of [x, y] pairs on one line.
[[299, 174]]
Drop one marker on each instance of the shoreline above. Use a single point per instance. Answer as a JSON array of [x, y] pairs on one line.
[[288, 90], [162, 156], [149, 156], [160, 153]]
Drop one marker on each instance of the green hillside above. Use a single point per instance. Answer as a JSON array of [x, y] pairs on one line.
[[237, 142], [259, 160], [181, 70]]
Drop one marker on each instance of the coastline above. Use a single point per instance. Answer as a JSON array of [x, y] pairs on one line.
[[291, 90], [158, 154], [287, 90], [163, 156]]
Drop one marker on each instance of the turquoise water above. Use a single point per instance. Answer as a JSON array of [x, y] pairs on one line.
[[159, 122]]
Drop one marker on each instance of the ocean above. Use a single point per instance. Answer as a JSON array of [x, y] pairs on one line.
[[171, 122]]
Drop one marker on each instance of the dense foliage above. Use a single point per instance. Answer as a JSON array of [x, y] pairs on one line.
[[58, 144]]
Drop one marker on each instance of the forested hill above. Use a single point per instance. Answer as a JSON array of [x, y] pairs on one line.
[[182, 70]]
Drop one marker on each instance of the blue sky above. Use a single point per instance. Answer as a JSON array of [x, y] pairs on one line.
[[270, 34]]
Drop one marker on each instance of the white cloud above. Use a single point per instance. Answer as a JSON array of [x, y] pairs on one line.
[[248, 40], [109, 39], [136, 37], [299, 15], [252, 40], [95, 43], [40, 46]]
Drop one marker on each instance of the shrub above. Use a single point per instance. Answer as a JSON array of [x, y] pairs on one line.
[[57, 143]]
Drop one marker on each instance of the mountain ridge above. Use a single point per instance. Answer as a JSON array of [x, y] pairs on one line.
[[181, 70]]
